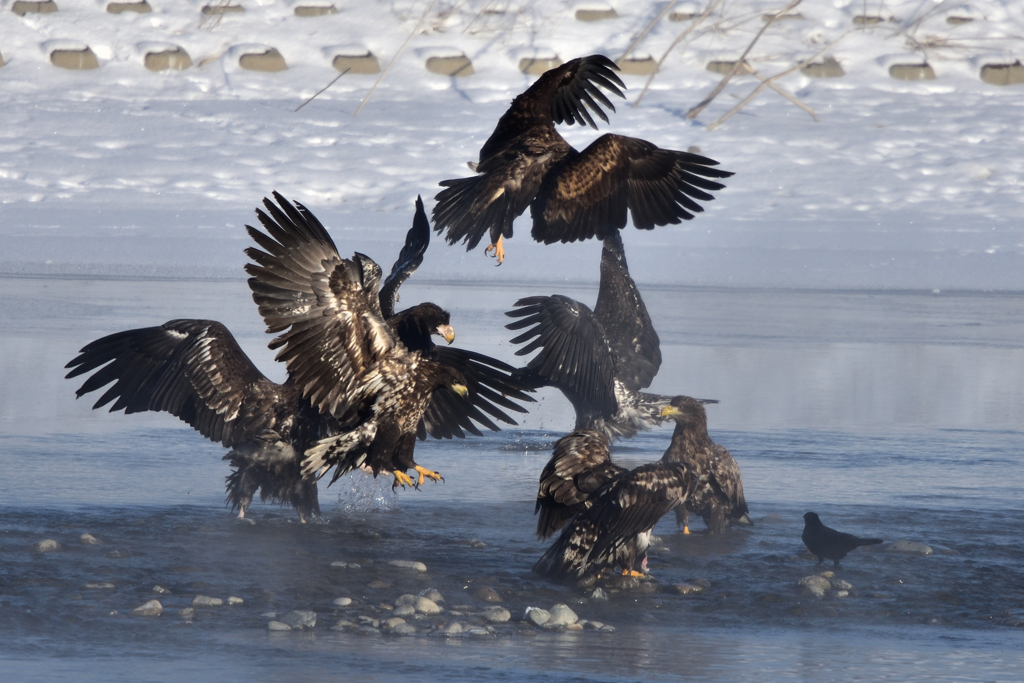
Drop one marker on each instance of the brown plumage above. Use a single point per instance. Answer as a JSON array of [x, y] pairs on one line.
[[718, 496], [572, 195]]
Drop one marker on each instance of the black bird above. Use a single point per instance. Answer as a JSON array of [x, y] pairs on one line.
[[601, 359], [718, 497], [829, 543], [572, 195]]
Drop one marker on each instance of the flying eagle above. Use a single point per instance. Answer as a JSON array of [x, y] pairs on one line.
[[572, 195], [601, 359], [195, 370], [718, 497], [826, 542]]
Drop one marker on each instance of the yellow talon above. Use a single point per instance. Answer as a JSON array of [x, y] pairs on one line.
[[499, 251], [630, 572], [427, 474], [686, 529], [401, 478]]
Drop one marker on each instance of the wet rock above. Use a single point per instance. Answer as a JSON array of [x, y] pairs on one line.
[[365, 620], [487, 594], [841, 593], [119, 554], [536, 616], [390, 624], [477, 544], [345, 565], [47, 546], [592, 625], [598, 594], [300, 619], [408, 564], [404, 611], [404, 630], [427, 606], [432, 594], [687, 589], [607, 629], [100, 585], [235, 600], [206, 601], [574, 627], [278, 626], [703, 583], [161, 590], [907, 548], [152, 608], [496, 614], [187, 613], [378, 584], [815, 585], [943, 550], [269, 615], [452, 629], [561, 615], [341, 602], [840, 585], [344, 625], [365, 630], [88, 539]]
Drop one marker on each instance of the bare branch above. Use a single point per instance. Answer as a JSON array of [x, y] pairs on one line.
[[643, 34], [333, 81]]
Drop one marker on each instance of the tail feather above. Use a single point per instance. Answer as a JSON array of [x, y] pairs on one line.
[[471, 207], [569, 554], [344, 452]]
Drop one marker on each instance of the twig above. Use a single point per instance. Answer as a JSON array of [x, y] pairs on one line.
[[333, 81], [394, 59], [711, 8], [785, 93], [768, 81], [647, 30], [695, 112]]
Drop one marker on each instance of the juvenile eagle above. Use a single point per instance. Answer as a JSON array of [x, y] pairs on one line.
[[828, 543], [572, 195], [601, 359]]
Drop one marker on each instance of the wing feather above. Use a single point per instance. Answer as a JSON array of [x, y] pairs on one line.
[[409, 259]]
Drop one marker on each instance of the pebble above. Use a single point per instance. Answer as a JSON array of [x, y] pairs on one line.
[[703, 583], [47, 546], [206, 601], [269, 615], [379, 584], [404, 630], [152, 608], [391, 623], [496, 614], [88, 539], [593, 625], [907, 548], [409, 564], [343, 625], [278, 626], [477, 543], [161, 590], [345, 565], [487, 594], [367, 631], [427, 606], [607, 629], [188, 613], [118, 554], [406, 599], [300, 619], [235, 600], [687, 589], [432, 594], [574, 627], [342, 602], [815, 585], [104, 585], [452, 629], [478, 632], [561, 615], [536, 616], [842, 594], [404, 611], [840, 585]]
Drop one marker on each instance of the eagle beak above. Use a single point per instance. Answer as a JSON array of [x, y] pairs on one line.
[[446, 331], [668, 411], [461, 390]]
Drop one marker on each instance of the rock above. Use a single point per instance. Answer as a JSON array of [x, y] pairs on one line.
[[406, 599], [598, 594], [487, 594], [23, 7], [687, 589], [1002, 74], [206, 601], [161, 590], [561, 615], [88, 539], [427, 606], [607, 629], [391, 623], [100, 585], [574, 627], [404, 630], [432, 594], [314, 10], [476, 544], [496, 614], [536, 616], [172, 59], [300, 619], [278, 626], [269, 615], [378, 584], [122, 7], [452, 629], [344, 625], [814, 585], [152, 608], [840, 585], [118, 554], [77, 60], [47, 546], [588, 14], [235, 600], [344, 565], [409, 564], [592, 625], [404, 611], [187, 613], [365, 630], [841, 594], [341, 602], [477, 632], [907, 548], [368, 621], [454, 66], [912, 72]]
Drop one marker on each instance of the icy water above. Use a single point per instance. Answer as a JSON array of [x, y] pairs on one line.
[[897, 415]]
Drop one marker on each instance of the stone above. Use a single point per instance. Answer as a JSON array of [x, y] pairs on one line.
[[1003, 74], [314, 10], [206, 601], [119, 554], [209, 10], [406, 599], [828, 68], [456, 67], [496, 614], [174, 59], [535, 66], [76, 60], [452, 629], [368, 621], [814, 585], [907, 548], [21, 7], [187, 613], [365, 630], [404, 611], [341, 602], [344, 625], [954, 20], [235, 600], [687, 589], [912, 72], [391, 623], [607, 629], [432, 594], [100, 585], [536, 616], [161, 590], [47, 546], [642, 66], [270, 60], [598, 594], [408, 564], [841, 594], [683, 16], [274, 625], [151, 608], [300, 619], [592, 625], [477, 632], [404, 630], [427, 606], [561, 615], [378, 584], [122, 7], [596, 14], [357, 64], [868, 20], [487, 594], [88, 539], [725, 66], [840, 585]]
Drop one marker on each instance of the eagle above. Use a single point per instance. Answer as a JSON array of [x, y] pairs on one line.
[[195, 369], [825, 542], [718, 497], [599, 359], [572, 195]]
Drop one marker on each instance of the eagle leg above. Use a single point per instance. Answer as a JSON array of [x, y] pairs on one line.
[[401, 478], [630, 572], [686, 529], [499, 251], [427, 474]]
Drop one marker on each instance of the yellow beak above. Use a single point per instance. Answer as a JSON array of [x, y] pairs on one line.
[[446, 331], [668, 411], [461, 390]]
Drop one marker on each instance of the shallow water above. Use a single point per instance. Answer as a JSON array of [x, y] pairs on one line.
[[895, 415]]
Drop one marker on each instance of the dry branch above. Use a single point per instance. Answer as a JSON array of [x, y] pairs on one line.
[[643, 34]]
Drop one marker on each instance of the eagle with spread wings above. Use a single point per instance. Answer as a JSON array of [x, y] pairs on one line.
[[572, 195]]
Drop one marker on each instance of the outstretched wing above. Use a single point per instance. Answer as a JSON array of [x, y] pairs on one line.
[[580, 465], [192, 369], [589, 193], [573, 351], [409, 259], [491, 388], [331, 337]]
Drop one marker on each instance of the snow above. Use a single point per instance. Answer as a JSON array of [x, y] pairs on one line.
[[899, 185]]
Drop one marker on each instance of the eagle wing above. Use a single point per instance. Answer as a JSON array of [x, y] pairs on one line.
[[589, 193], [332, 338], [580, 465], [491, 388], [192, 369], [573, 350], [409, 259], [727, 478]]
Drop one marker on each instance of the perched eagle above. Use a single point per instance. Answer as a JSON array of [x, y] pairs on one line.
[[195, 370], [826, 542], [718, 496], [572, 195], [601, 359]]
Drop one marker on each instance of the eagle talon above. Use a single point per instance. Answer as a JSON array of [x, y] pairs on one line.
[[403, 479], [427, 474], [630, 572], [498, 249]]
